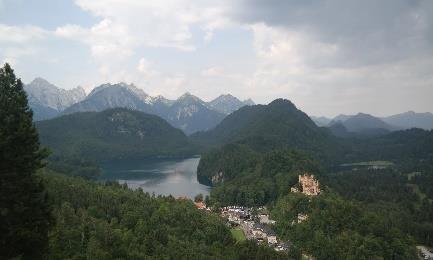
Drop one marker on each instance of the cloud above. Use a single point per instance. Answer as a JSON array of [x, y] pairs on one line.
[[17, 42], [365, 32], [328, 56], [21, 34], [145, 69], [147, 23]]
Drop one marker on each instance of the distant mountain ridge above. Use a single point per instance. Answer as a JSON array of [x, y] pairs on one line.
[[188, 112], [401, 121], [411, 119]]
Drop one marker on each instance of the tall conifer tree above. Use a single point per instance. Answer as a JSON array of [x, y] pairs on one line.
[[24, 212]]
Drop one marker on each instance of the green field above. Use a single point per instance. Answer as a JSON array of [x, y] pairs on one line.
[[370, 163], [238, 234]]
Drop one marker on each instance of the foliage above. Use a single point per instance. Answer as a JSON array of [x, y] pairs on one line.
[[113, 134], [408, 148], [338, 229], [261, 180], [391, 195], [24, 213], [77, 166], [279, 125], [110, 221]]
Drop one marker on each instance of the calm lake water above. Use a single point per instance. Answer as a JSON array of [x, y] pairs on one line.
[[176, 177]]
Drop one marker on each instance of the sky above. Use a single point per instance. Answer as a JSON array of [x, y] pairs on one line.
[[326, 56]]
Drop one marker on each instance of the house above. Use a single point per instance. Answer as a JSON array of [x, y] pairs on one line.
[[264, 219], [302, 217]]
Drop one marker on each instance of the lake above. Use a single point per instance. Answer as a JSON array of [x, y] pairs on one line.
[[176, 177]]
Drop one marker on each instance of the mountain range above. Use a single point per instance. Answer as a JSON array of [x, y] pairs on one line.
[[188, 113], [368, 125]]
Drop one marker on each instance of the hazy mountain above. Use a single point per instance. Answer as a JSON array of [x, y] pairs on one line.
[[47, 100], [249, 102], [226, 104], [361, 125], [112, 134], [192, 114], [321, 121], [361, 122], [338, 129], [341, 118], [410, 120]]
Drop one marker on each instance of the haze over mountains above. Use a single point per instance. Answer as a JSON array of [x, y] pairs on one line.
[[188, 112], [368, 125]]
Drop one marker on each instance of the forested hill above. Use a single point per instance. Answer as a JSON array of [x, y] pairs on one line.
[[278, 125], [264, 127], [407, 148], [112, 134], [97, 221]]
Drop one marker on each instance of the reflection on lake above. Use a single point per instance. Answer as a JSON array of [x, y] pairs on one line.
[[159, 176]]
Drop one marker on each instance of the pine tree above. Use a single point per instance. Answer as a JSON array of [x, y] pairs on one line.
[[24, 212]]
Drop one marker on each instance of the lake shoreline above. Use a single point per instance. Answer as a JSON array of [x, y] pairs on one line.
[[161, 176]]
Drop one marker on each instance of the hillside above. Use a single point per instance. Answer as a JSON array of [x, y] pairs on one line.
[[108, 221], [408, 148], [112, 134], [263, 127]]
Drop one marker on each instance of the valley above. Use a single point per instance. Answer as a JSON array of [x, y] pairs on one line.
[[253, 177], [214, 130]]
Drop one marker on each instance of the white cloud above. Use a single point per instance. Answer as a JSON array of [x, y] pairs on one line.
[[294, 65], [145, 69], [21, 34], [129, 26], [212, 72]]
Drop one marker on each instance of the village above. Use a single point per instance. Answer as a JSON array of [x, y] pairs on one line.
[[256, 224]]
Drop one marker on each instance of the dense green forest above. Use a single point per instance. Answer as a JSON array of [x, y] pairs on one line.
[[255, 181], [274, 126], [113, 134], [403, 198], [365, 214], [340, 229], [110, 221]]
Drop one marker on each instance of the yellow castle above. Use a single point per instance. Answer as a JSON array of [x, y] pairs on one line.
[[307, 185]]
